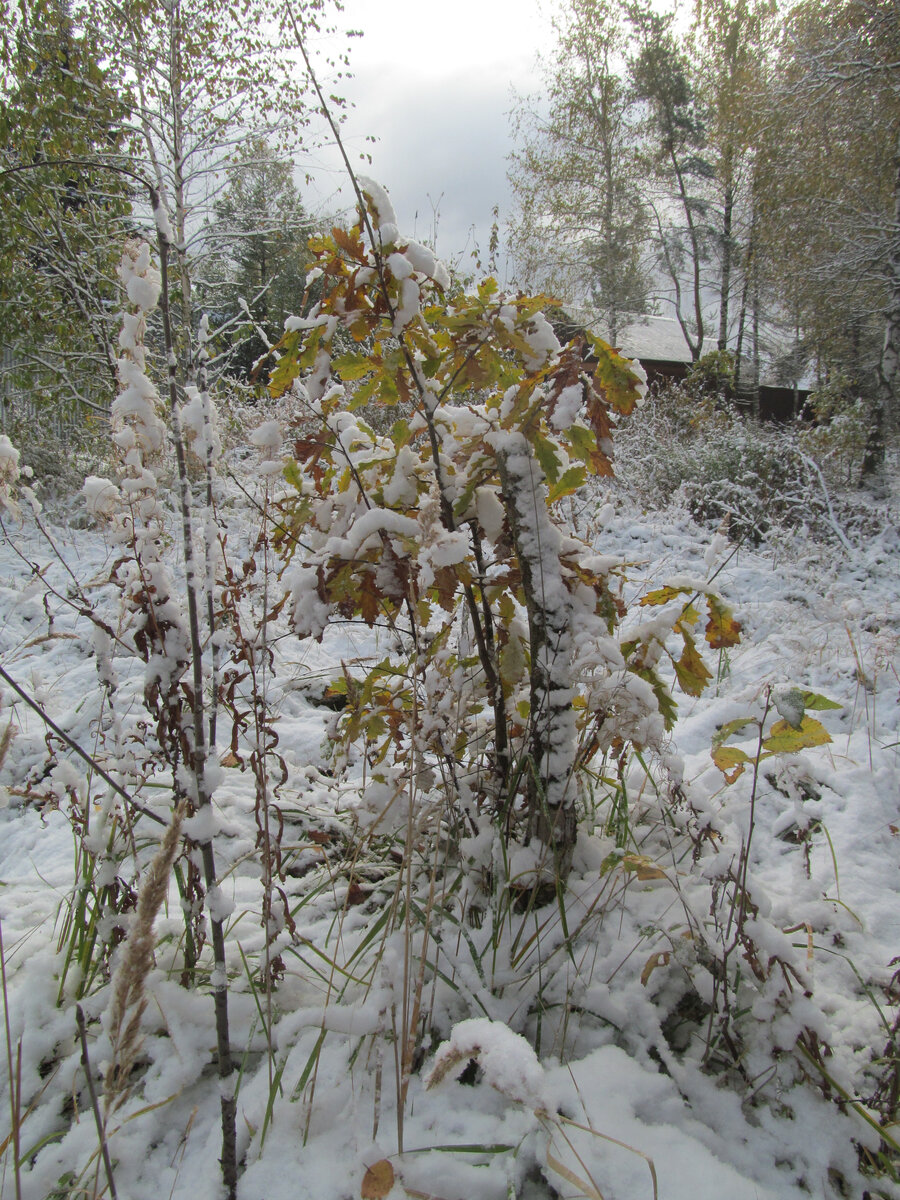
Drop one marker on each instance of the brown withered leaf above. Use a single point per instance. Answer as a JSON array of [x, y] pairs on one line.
[[369, 597], [445, 580], [377, 1181], [348, 243], [229, 759], [660, 959], [722, 630]]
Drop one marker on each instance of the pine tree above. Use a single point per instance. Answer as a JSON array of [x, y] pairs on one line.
[[256, 255]]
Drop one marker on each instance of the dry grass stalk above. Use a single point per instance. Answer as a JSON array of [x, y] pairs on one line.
[[6, 738], [129, 999]]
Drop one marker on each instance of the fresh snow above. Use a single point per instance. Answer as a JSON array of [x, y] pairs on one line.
[[819, 621]]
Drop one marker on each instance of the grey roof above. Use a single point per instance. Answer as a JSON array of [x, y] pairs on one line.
[[657, 338]]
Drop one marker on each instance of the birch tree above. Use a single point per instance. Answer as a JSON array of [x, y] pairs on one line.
[[730, 46], [675, 161], [581, 225]]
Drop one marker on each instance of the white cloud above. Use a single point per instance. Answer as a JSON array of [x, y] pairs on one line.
[[435, 90]]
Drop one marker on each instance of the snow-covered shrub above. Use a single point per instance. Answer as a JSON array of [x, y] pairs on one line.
[[838, 438], [760, 482], [448, 531]]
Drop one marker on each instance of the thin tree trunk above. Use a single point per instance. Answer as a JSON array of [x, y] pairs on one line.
[[696, 347], [756, 369], [725, 282], [884, 411]]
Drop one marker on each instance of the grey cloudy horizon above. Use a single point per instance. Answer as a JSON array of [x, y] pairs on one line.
[[436, 92]]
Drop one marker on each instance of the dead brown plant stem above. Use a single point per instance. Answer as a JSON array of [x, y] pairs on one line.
[[742, 901], [15, 1078], [199, 751], [95, 1107]]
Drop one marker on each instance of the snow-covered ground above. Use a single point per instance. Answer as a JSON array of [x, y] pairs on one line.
[[616, 1102]]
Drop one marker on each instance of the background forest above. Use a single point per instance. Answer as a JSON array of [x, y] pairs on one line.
[[433, 761]]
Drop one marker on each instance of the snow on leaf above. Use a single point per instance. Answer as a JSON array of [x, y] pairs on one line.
[[507, 1060], [790, 705]]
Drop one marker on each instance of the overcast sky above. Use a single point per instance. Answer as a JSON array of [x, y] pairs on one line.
[[433, 82]]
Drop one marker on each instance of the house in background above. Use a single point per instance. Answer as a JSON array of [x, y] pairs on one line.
[[659, 345]]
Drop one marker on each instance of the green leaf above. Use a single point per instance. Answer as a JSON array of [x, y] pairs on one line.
[[352, 366], [785, 739], [724, 732], [545, 452], [400, 434], [570, 481], [584, 446], [818, 703], [293, 474], [363, 394], [614, 373]]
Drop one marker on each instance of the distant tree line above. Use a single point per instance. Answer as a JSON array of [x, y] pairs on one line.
[[744, 156], [104, 105]]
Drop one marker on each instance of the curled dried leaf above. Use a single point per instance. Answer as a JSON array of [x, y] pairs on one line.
[[377, 1181]]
